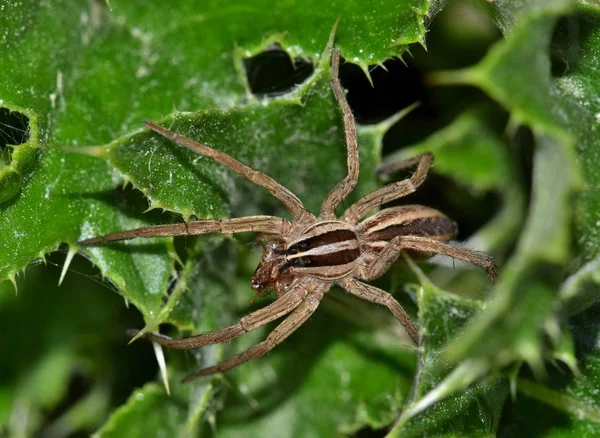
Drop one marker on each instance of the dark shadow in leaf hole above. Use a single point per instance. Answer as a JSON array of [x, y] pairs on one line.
[[394, 87], [570, 37], [131, 202], [367, 432], [14, 128], [272, 72]]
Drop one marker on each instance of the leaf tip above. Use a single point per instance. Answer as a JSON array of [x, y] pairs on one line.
[[66, 265], [365, 69], [136, 334], [13, 279]]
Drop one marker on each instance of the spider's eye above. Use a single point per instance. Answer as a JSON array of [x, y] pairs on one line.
[[257, 285]]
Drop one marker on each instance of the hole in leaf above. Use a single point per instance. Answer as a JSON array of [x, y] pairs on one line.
[[571, 34], [522, 146], [558, 65], [14, 130], [272, 72], [563, 47], [395, 86], [368, 432], [459, 37]]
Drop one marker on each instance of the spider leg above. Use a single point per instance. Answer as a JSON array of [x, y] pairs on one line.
[[390, 168], [279, 192], [378, 296], [278, 335], [260, 224], [345, 186], [390, 253], [392, 191], [280, 307]]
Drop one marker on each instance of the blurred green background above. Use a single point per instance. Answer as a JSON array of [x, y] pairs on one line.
[[508, 104]]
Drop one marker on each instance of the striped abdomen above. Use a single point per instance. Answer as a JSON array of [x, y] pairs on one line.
[[407, 220], [326, 250]]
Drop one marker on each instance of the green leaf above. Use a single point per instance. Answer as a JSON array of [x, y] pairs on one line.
[[58, 204], [581, 81], [367, 376], [556, 106], [188, 407], [56, 340], [565, 406], [123, 62], [146, 403], [86, 74], [440, 405], [545, 240], [511, 328]]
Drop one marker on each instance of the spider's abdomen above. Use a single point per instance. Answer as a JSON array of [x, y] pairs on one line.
[[326, 250], [408, 220]]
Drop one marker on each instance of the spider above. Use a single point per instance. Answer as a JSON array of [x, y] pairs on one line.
[[304, 257]]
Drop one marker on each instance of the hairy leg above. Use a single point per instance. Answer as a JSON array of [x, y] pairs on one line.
[[390, 253], [278, 335], [378, 296], [344, 187], [282, 306], [392, 191], [258, 224]]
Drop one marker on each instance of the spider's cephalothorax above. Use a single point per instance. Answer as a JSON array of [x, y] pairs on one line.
[[303, 258]]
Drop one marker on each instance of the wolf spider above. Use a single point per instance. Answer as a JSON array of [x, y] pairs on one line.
[[303, 258]]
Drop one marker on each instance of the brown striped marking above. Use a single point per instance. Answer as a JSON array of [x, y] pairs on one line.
[[330, 244], [409, 220]]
